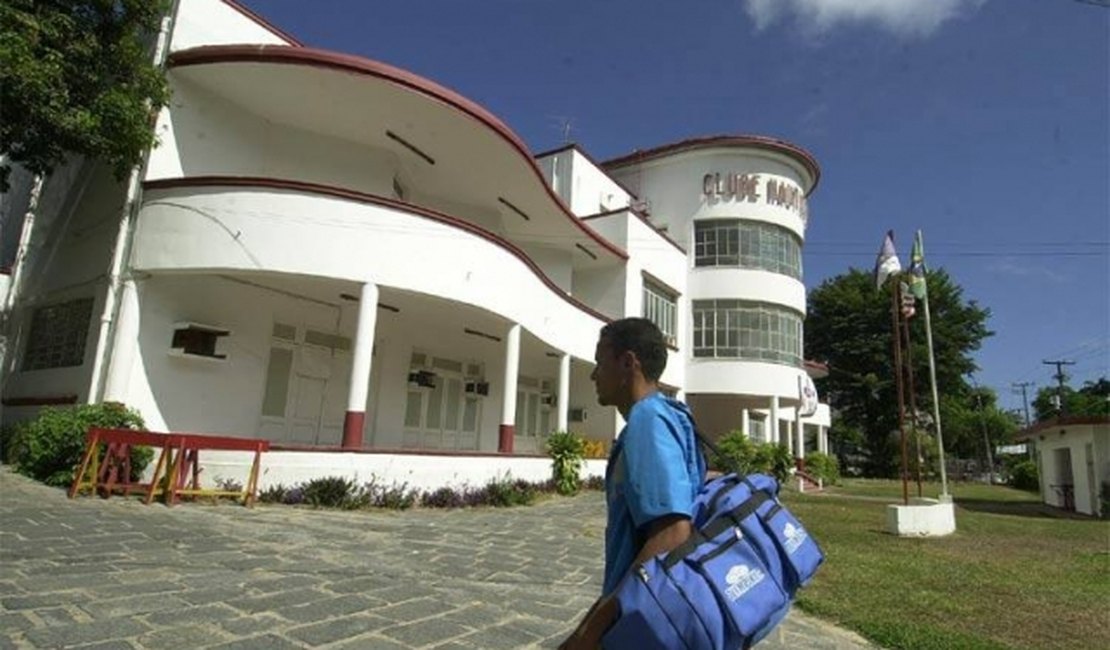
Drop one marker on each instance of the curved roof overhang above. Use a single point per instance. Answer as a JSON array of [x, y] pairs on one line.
[[450, 150], [791, 151]]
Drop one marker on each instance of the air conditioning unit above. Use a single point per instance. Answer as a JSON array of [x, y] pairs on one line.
[[423, 378], [477, 388], [194, 340], [576, 415]]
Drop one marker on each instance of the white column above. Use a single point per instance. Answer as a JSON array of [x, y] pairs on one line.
[[800, 432], [355, 420], [564, 392], [117, 382], [507, 428], [746, 422], [823, 436], [773, 430]]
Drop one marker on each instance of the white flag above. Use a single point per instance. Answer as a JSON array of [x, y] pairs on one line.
[[887, 262]]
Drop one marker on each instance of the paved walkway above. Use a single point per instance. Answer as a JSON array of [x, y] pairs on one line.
[[110, 574]]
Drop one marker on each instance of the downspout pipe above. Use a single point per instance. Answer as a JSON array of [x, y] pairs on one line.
[[122, 249]]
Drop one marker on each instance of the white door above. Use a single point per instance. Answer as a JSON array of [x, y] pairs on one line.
[[308, 404], [304, 400]]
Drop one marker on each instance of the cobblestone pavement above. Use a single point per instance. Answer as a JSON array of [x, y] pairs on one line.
[[114, 573]]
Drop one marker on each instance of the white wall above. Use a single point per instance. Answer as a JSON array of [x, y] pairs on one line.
[[423, 472], [673, 187], [1074, 438], [247, 229], [214, 22], [203, 134], [593, 190], [750, 285], [225, 397], [555, 264], [584, 187], [603, 289], [70, 254], [742, 377], [201, 395]]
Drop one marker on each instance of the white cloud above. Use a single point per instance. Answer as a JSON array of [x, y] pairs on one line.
[[916, 18]]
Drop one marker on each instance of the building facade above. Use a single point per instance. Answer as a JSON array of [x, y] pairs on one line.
[[1073, 462], [312, 255]]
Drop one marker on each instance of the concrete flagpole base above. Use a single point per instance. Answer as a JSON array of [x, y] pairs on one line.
[[922, 518]]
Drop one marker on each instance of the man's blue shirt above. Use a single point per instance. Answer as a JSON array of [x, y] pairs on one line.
[[655, 469]]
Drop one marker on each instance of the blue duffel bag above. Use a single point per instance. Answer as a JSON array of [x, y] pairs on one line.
[[728, 585]]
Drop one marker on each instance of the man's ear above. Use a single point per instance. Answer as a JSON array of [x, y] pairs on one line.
[[629, 361]]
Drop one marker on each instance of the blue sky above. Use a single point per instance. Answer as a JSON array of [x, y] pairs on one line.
[[986, 123]]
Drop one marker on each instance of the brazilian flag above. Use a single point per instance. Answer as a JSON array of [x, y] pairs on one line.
[[917, 269]]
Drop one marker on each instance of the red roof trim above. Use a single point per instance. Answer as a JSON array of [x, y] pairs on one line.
[[278, 54], [361, 197], [1068, 420], [262, 22], [753, 141]]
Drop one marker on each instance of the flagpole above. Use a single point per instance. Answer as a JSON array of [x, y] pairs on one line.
[[913, 400], [944, 496], [897, 338]]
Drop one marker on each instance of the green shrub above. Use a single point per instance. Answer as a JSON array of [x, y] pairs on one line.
[[824, 467], [329, 492], [738, 454], [505, 492], [1023, 476], [742, 455], [49, 447], [567, 451], [775, 460]]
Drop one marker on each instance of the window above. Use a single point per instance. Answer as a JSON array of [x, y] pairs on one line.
[[276, 393], [659, 308], [747, 245], [734, 329], [57, 336], [757, 429]]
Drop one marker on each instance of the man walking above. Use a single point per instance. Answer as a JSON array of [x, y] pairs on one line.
[[655, 469]]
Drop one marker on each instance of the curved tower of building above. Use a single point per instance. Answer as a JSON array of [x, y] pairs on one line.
[[738, 205]]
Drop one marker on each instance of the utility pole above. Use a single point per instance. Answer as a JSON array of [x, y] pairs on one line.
[[1060, 377], [1024, 397]]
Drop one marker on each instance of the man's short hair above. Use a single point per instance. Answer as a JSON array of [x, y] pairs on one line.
[[641, 337]]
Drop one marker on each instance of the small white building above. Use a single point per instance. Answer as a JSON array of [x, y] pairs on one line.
[[1073, 461], [341, 256]]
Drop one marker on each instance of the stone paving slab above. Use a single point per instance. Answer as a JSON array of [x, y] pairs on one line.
[[114, 573]]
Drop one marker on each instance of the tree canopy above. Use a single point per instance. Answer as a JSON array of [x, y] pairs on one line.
[[78, 77], [1092, 399], [848, 326]]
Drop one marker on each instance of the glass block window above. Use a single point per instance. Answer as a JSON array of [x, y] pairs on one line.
[[747, 245], [735, 329], [57, 335]]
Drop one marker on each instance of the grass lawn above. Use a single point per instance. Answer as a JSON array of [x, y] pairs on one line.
[[1011, 576]]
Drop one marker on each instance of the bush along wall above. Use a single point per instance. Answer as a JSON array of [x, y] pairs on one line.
[[49, 447], [348, 494]]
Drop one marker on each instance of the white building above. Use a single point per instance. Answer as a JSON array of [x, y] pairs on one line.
[[1073, 461], [341, 256]]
